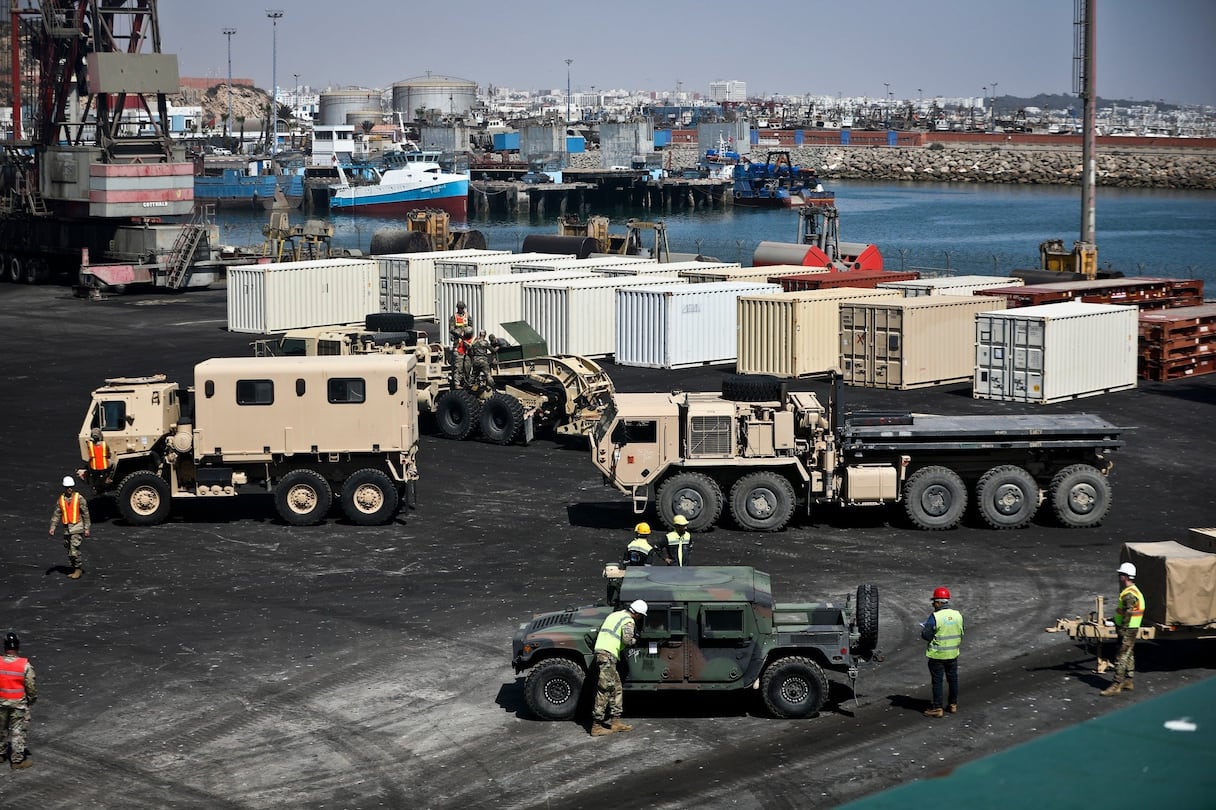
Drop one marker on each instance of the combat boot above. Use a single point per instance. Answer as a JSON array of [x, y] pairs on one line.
[[1114, 689], [76, 572], [618, 726], [599, 729], [1129, 685], [936, 711], [22, 763], [953, 708]]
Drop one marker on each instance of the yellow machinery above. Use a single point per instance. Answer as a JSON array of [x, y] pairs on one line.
[[629, 243], [426, 231], [1082, 259]]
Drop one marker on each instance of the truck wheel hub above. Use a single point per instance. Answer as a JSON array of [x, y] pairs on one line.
[[144, 500], [1008, 499], [302, 499], [794, 690], [761, 503], [1082, 498], [368, 498], [558, 692]]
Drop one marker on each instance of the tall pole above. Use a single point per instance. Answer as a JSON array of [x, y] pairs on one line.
[[228, 32], [275, 15], [1088, 82], [568, 62], [994, 84]]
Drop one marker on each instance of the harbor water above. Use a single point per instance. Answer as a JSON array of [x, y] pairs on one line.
[[967, 229]]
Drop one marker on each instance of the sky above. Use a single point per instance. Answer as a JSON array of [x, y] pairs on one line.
[[1150, 51]]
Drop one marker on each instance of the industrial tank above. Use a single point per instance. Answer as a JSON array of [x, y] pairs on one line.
[[448, 95], [357, 117], [336, 104]]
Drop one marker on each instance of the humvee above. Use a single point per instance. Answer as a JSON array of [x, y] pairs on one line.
[[708, 628]]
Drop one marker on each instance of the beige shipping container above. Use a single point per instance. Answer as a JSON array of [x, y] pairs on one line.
[[275, 297], [659, 268], [705, 275], [910, 342], [949, 285], [792, 334]]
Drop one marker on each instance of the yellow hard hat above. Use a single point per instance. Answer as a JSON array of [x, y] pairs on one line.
[[642, 528], [680, 520]]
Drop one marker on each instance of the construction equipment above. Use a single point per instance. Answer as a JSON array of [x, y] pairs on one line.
[[287, 242], [629, 243], [1082, 260], [818, 245], [426, 231]]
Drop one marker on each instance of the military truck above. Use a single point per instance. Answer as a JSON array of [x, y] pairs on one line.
[[532, 390], [760, 452], [303, 428], [707, 628]]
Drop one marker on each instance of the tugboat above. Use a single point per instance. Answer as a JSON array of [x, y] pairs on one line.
[[777, 183]]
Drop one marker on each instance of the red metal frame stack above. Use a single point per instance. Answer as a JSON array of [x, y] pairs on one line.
[[1177, 343]]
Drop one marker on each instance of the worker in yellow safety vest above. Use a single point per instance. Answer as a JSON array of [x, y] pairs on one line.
[[944, 632], [640, 551], [679, 541], [617, 632], [72, 513], [1129, 613]]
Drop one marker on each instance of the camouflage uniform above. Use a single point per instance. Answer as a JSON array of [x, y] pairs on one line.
[[15, 711], [457, 324], [1130, 604], [609, 696], [481, 351], [75, 532], [464, 363]]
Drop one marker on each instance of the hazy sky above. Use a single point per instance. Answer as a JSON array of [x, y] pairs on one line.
[[1146, 50]]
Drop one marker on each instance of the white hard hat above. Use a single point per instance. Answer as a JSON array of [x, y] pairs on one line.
[[69, 481], [638, 606], [1129, 569]]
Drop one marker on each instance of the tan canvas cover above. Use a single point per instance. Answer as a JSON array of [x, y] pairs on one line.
[[1178, 583]]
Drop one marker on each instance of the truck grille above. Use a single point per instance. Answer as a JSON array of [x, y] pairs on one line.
[[549, 621], [710, 436]]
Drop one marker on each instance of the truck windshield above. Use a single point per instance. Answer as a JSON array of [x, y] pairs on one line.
[[604, 424]]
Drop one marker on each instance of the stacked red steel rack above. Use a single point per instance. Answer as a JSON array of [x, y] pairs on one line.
[[1177, 343], [862, 279], [1147, 293]]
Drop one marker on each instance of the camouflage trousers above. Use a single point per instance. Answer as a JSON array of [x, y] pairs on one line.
[[14, 726], [609, 698], [481, 366], [1125, 660], [72, 542]]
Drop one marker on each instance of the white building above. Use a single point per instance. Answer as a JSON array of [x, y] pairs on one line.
[[728, 91]]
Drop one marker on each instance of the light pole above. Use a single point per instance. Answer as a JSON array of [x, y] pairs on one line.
[[275, 15], [887, 106], [568, 63], [228, 32], [994, 84]]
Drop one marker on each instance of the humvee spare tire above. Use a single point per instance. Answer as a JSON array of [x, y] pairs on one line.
[[753, 388], [866, 617], [389, 322], [393, 338]]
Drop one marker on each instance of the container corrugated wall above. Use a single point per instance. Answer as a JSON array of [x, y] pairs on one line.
[[910, 342], [265, 298], [761, 274], [494, 300], [797, 333], [570, 315], [660, 268], [949, 285], [491, 265], [673, 327], [590, 264], [1055, 352], [407, 280]]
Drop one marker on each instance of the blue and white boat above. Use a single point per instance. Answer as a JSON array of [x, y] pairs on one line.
[[407, 181]]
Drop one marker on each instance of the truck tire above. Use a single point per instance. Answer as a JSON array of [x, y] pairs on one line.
[[866, 618], [457, 413], [696, 496], [1080, 496], [143, 498], [753, 388], [762, 502], [793, 688], [369, 498], [935, 498], [1007, 497], [302, 497], [502, 417], [15, 272], [554, 688], [389, 322]]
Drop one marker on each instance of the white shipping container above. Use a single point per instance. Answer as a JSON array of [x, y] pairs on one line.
[[591, 264], [407, 280], [571, 315], [949, 285], [661, 268], [1055, 352], [792, 334], [493, 265], [672, 327], [703, 275], [265, 298], [493, 300]]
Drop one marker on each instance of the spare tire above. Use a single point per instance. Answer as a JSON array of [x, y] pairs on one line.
[[753, 388], [866, 618], [389, 322], [408, 339]]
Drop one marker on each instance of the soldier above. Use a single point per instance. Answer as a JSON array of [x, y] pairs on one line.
[[464, 360], [458, 323], [99, 456], [1129, 613], [18, 691], [616, 633], [944, 632], [481, 350], [679, 541], [640, 551], [72, 512]]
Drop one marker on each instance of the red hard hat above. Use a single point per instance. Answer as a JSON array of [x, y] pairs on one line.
[[941, 593]]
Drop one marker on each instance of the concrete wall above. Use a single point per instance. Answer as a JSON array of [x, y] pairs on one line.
[[620, 142]]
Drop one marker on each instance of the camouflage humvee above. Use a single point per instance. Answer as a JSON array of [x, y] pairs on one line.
[[708, 628]]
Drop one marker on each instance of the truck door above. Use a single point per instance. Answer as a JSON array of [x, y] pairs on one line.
[[660, 655], [721, 647], [635, 444]]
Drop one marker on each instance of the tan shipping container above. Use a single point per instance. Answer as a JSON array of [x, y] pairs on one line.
[[792, 334], [709, 273], [910, 342]]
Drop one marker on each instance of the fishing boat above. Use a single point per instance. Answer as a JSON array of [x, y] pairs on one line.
[[404, 181], [777, 183], [247, 183], [719, 163]]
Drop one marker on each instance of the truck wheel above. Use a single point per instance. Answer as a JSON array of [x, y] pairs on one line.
[[696, 496], [1080, 496], [303, 497], [502, 416], [793, 688], [389, 322], [4, 263], [143, 498], [866, 618], [753, 388], [553, 689], [935, 498], [1007, 497], [369, 498], [762, 502], [15, 273], [457, 413]]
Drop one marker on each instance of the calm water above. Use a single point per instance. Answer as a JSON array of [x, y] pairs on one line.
[[985, 229]]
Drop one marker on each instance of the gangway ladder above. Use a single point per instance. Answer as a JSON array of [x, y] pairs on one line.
[[183, 249]]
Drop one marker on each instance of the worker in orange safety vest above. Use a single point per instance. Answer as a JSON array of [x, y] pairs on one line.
[[72, 513]]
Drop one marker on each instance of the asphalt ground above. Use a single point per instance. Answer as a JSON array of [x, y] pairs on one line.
[[225, 659]]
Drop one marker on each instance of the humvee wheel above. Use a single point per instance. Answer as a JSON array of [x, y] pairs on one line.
[[696, 496], [866, 618], [1007, 497], [369, 498], [143, 498], [935, 498], [762, 502], [1080, 496], [553, 689], [793, 687], [303, 497], [502, 417], [457, 413]]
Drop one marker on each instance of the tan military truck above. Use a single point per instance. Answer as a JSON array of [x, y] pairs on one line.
[[304, 428]]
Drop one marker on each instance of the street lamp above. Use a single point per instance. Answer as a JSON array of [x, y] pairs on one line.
[[275, 15], [994, 84], [887, 106], [228, 32], [568, 62]]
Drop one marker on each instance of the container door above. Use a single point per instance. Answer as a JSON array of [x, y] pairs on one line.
[[887, 347], [871, 346], [1026, 359], [989, 357]]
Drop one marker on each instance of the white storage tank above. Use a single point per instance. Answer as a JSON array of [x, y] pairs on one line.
[[660, 268], [571, 315], [673, 327], [265, 298], [949, 285], [494, 300], [334, 105], [910, 342], [407, 280], [793, 334], [702, 275], [494, 265], [1055, 352]]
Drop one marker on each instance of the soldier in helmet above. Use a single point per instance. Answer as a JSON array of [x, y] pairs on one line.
[[458, 322], [944, 632], [640, 551], [464, 359], [679, 541], [481, 351], [1129, 614], [616, 633], [72, 513], [18, 691]]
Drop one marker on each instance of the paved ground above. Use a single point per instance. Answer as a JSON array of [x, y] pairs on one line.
[[228, 660]]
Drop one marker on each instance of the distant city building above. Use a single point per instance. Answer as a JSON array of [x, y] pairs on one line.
[[728, 91]]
